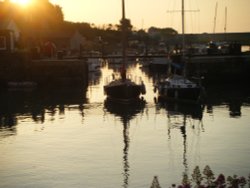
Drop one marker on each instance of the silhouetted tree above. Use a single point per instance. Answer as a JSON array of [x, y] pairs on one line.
[[127, 25]]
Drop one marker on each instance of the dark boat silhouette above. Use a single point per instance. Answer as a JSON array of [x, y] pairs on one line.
[[124, 89]]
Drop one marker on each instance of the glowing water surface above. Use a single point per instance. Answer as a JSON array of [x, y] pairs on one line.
[[75, 138]]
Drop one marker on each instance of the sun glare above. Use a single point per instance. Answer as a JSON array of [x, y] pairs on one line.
[[21, 2]]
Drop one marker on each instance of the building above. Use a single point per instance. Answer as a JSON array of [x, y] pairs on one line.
[[9, 35], [76, 41]]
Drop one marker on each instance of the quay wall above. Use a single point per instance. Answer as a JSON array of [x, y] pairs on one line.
[[43, 72], [70, 72], [218, 70]]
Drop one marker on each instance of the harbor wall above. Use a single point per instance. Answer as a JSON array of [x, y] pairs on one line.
[[220, 70], [44, 72]]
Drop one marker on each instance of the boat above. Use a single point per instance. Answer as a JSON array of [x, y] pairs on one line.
[[123, 88], [177, 86]]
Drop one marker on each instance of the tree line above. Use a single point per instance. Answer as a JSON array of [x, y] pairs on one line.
[[42, 17]]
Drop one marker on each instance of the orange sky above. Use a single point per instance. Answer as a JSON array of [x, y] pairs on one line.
[[146, 13]]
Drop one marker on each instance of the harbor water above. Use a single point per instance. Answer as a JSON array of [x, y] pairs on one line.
[[74, 137]]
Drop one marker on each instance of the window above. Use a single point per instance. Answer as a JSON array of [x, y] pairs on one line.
[[2, 43]]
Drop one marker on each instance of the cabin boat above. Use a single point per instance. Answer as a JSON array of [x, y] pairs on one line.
[[176, 86], [179, 88], [123, 88]]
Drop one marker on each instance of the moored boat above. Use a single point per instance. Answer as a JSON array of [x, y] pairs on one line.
[[179, 88], [124, 89]]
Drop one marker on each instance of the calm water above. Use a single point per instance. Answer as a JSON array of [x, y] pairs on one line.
[[74, 138]]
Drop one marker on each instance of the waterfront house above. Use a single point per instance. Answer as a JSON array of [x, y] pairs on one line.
[[76, 41], [64, 41], [9, 35]]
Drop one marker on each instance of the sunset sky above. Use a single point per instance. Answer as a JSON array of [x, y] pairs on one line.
[[146, 13]]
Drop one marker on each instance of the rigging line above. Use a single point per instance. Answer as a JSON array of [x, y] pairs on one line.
[[198, 17], [176, 11], [191, 18], [195, 18], [171, 4], [215, 16], [199, 21], [174, 6], [183, 12]]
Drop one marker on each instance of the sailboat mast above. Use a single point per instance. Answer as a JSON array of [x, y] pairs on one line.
[[225, 27], [123, 33], [123, 10], [183, 25]]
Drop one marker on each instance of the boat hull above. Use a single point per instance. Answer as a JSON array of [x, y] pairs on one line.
[[123, 91]]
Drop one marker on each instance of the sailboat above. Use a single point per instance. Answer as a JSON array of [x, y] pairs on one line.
[[176, 86], [124, 89]]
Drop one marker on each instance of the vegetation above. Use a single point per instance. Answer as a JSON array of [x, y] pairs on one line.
[[207, 179], [42, 20]]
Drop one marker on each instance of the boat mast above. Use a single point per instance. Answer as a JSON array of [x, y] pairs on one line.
[[183, 21], [123, 33], [183, 36], [183, 26], [225, 27], [124, 42]]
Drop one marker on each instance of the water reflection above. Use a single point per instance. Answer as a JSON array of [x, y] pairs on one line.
[[125, 112], [94, 78], [193, 110], [169, 138], [35, 104], [178, 116], [233, 97]]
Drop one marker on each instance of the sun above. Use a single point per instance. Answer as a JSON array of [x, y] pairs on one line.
[[21, 2]]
